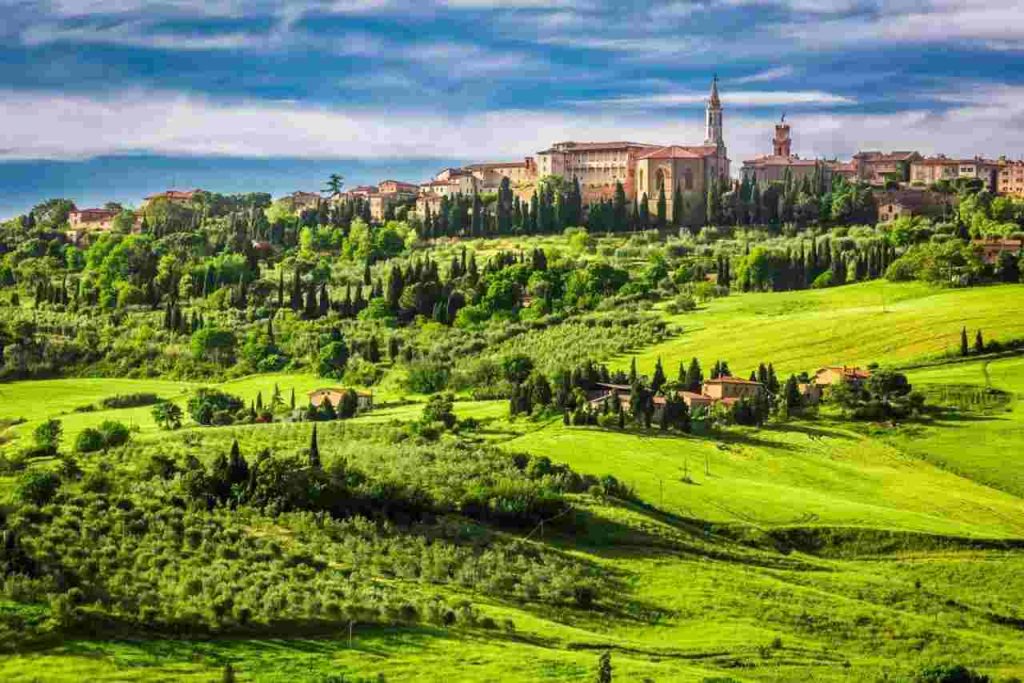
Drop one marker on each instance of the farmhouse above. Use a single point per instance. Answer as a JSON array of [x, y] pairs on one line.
[[334, 395], [728, 390], [174, 196], [909, 203], [840, 374], [992, 249], [82, 220]]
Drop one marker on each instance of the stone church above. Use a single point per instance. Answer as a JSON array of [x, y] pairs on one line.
[[689, 168]]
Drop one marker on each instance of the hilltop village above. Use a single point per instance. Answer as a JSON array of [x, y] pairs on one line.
[[679, 176]]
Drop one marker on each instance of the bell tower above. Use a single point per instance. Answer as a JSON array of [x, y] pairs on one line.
[[782, 143], [713, 124]]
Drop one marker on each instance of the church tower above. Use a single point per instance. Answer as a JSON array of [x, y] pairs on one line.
[[713, 137], [782, 143]]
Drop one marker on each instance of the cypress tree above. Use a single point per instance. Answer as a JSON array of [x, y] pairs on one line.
[[678, 208], [963, 341], [632, 371], [979, 343], [658, 378], [314, 449], [662, 207]]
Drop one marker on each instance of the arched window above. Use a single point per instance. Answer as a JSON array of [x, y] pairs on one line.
[[659, 180], [688, 179]]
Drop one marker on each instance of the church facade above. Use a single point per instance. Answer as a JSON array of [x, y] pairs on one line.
[[687, 168]]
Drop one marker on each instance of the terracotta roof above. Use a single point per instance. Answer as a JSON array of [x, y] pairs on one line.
[[731, 380], [174, 194], [500, 164], [773, 160], [95, 213], [884, 156], [854, 372], [680, 152], [593, 146]]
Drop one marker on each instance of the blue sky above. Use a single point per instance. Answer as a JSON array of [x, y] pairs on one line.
[[393, 84]]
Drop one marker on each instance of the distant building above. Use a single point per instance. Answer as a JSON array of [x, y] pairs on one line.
[[840, 374], [300, 201], [335, 395], [775, 166], [992, 249], [908, 203], [728, 390], [83, 220], [1010, 179], [597, 166], [490, 175], [875, 168], [174, 196], [933, 169], [389, 194]]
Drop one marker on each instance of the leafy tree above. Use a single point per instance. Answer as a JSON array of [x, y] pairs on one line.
[[439, 408], [335, 182], [517, 368], [167, 415], [89, 440], [47, 435], [217, 345], [333, 359], [37, 487], [206, 404]]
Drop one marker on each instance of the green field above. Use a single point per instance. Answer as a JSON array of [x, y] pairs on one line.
[[878, 321], [815, 550]]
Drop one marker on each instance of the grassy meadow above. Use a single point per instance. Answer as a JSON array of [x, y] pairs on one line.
[[878, 321], [814, 550]]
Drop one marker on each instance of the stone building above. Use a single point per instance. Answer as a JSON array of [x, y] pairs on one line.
[[1010, 179], [915, 202], [875, 168], [775, 166], [926, 171], [598, 166], [688, 168]]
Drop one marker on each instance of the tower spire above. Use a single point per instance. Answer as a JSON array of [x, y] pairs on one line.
[[713, 136]]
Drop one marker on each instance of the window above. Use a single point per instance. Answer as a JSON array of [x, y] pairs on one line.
[[688, 179]]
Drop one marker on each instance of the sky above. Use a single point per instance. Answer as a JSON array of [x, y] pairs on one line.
[[114, 99]]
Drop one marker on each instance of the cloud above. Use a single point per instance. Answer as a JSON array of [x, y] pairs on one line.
[[57, 126], [735, 98], [765, 76], [135, 34]]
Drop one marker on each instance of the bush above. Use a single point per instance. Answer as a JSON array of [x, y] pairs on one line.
[[37, 488], [949, 673], [114, 434], [427, 377], [130, 401], [212, 406], [89, 440]]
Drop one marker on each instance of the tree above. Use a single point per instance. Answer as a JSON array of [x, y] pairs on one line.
[[167, 415], [678, 208], [47, 435], [694, 377], [658, 379], [37, 487], [963, 341], [439, 408], [211, 343], [335, 182], [662, 207], [314, 451], [517, 368], [979, 343], [604, 667], [333, 359]]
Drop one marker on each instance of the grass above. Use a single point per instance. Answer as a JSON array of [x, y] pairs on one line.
[[889, 323], [695, 603], [797, 475]]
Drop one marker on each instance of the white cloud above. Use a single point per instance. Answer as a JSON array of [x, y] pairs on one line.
[[56, 126], [736, 98], [136, 34], [765, 76]]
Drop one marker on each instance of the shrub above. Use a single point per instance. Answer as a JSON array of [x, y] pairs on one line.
[[427, 377], [89, 440], [130, 400], [114, 434], [212, 406], [37, 488]]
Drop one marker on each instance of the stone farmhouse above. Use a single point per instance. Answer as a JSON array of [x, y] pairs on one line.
[[893, 204], [722, 390], [335, 395], [992, 249]]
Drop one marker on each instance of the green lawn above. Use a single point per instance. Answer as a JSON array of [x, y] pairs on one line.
[[798, 475], [987, 447], [854, 325]]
